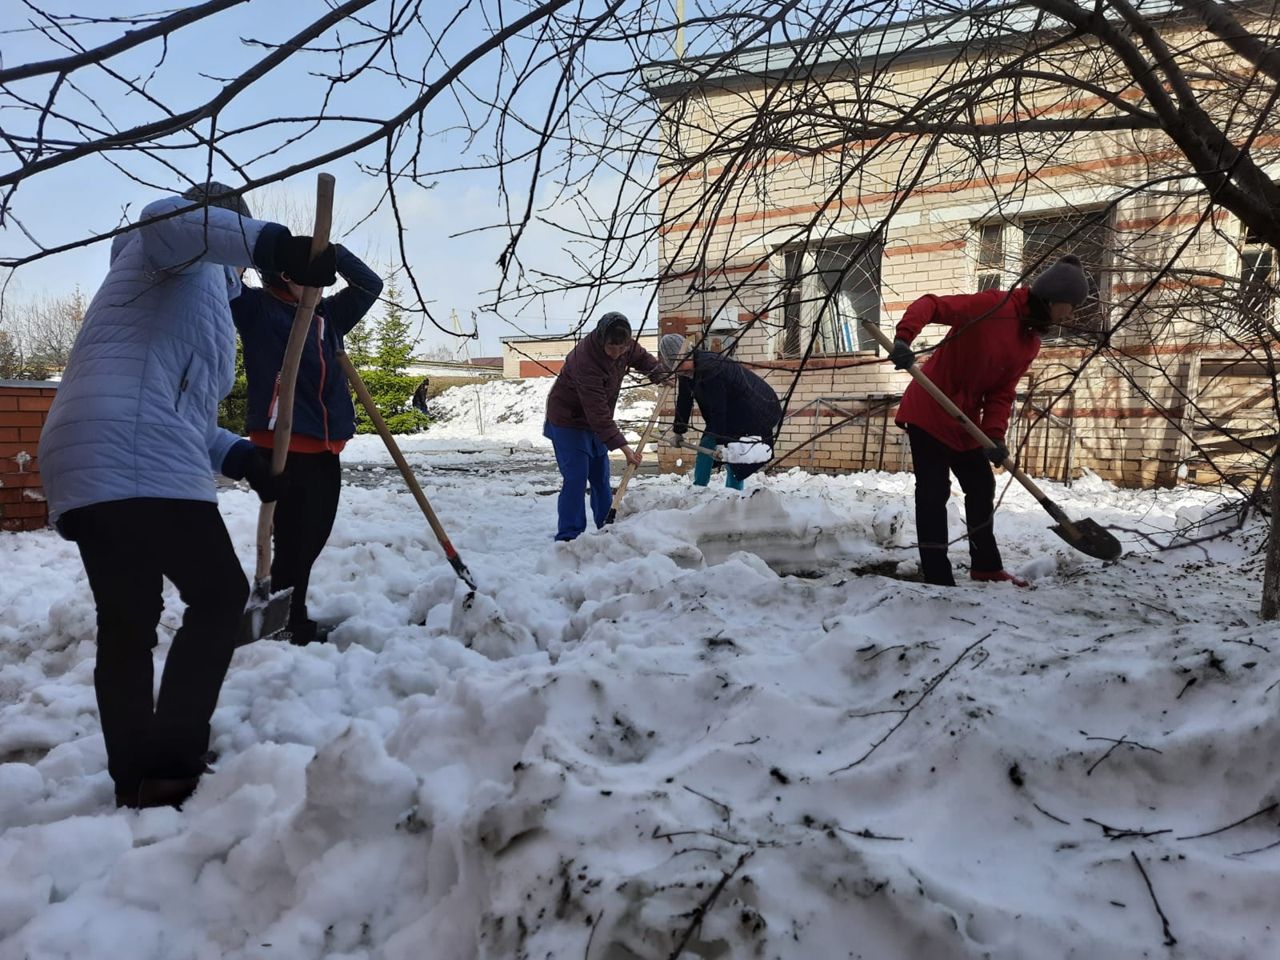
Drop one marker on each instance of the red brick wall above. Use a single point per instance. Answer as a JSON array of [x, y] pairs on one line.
[[540, 368], [23, 408]]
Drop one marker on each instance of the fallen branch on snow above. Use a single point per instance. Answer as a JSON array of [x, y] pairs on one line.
[[1256, 813], [906, 711], [1169, 938], [1120, 833], [1114, 743], [708, 902]]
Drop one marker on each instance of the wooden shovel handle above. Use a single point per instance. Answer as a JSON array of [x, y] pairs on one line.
[[959, 416], [393, 448], [379, 424], [289, 369], [630, 471]]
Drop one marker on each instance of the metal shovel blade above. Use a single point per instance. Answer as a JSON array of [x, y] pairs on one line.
[[264, 614], [1091, 539]]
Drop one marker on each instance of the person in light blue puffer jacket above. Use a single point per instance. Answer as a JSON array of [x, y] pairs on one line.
[[127, 457]]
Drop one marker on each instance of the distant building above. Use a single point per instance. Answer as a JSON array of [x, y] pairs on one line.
[[482, 367], [543, 356]]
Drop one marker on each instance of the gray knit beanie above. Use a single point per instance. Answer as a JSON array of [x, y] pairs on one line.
[[1064, 282], [670, 349], [218, 195]]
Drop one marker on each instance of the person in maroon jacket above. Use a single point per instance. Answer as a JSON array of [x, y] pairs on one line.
[[580, 422], [994, 337]]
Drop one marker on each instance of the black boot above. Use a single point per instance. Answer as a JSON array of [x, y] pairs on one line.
[[126, 798], [303, 633], [162, 792]]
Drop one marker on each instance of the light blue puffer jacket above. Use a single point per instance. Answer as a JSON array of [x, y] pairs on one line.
[[136, 412]]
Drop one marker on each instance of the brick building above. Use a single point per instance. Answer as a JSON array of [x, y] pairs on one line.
[[24, 405], [531, 355], [800, 242]]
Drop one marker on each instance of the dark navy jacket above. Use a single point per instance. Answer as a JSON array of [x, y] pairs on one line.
[[322, 400], [733, 401]]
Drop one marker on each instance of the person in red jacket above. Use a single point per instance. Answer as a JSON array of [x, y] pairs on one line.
[[580, 422], [994, 337]]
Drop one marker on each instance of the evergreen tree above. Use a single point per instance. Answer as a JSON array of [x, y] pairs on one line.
[[384, 367], [395, 348], [359, 344], [234, 407]]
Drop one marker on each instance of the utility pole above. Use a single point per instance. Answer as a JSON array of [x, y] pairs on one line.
[[457, 328], [466, 353], [679, 44]]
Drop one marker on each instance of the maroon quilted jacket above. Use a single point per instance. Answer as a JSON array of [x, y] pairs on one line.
[[586, 390]]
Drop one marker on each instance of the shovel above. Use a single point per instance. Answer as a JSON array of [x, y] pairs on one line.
[[679, 444], [475, 617], [267, 612], [410, 480], [630, 472], [1085, 535]]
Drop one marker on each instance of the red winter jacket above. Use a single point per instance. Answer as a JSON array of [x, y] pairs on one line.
[[978, 365], [586, 389]]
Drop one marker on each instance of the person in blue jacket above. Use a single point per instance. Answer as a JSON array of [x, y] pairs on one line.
[[733, 401], [324, 418], [127, 456]]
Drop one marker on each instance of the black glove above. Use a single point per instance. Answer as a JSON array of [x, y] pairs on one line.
[[997, 454], [293, 259], [901, 355], [257, 471], [679, 429]]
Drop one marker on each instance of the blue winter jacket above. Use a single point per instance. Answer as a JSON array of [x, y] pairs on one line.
[[322, 405], [136, 414]]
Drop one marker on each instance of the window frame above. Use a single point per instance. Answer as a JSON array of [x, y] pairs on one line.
[[811, 294], [1251, 252], [1013, 239]]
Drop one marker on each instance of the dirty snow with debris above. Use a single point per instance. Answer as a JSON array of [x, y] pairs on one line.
[[729, 725]]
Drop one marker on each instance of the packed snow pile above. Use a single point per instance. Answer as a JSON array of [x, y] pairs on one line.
[[514, 409], [748, 450], [722, 727]]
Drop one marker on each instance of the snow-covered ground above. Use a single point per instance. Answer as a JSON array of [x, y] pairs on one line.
[[724, 727]]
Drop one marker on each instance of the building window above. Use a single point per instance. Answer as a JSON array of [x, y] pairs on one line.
[[990, 255], [1257, 285], [1007, 252], [828, 292]]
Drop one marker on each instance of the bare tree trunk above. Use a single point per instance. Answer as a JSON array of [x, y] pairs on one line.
[[1271, 574]]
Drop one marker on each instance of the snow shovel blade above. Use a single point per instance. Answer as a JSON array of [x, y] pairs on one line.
[[1090, 539], [265, 613], [463, 573]]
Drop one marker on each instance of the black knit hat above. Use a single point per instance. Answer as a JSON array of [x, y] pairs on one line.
[[218, 195], [1064, 282]]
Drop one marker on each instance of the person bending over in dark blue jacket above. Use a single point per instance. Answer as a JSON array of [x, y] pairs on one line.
[[128, 455], [324, 418], [733, 401]]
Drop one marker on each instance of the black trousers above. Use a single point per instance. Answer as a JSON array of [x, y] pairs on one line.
[[934, 462], [303, 522], [128, 546]]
